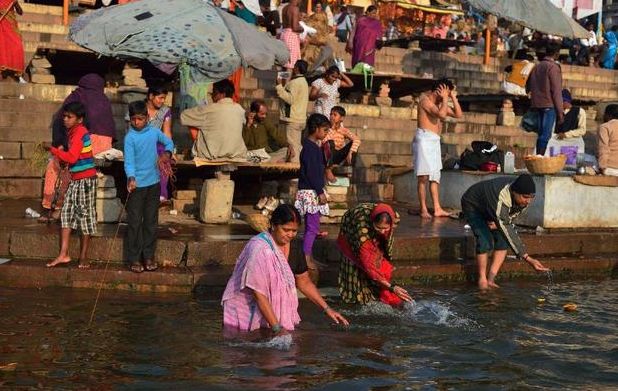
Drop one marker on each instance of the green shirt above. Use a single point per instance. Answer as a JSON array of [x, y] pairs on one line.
[[263, 135]]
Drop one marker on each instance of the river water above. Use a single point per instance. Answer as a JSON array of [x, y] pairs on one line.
[[451, 338]]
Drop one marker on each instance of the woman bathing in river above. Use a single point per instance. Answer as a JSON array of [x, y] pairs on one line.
[[366, 243], [261, 293]]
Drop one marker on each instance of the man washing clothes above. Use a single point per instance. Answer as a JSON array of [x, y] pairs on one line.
[[433, 109]]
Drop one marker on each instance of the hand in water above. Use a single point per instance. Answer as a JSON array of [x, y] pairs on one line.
[[337, 317], [536, 265], [402, 294]]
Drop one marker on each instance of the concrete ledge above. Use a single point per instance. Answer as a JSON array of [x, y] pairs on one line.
[[560, 202]]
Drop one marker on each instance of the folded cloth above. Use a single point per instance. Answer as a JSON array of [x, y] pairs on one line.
[[110, 154], [427, 154], [258, 155]]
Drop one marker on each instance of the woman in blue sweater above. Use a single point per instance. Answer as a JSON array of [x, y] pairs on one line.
[[311, 199], [141, 164]]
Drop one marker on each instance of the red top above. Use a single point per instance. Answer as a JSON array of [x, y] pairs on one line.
[[79, 156]]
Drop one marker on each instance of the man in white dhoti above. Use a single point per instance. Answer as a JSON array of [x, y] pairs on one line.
[[427, 155]]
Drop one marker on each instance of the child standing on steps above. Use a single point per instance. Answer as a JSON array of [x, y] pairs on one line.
[[311, 199], [142, 169], [79, 208]]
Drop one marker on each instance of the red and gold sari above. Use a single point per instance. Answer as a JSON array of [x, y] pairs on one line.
[[11, 47]]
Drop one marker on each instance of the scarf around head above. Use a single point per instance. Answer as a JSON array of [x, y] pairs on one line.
[[357, 227], [90, 93]]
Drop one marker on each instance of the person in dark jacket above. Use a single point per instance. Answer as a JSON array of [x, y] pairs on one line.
[[490, 208]]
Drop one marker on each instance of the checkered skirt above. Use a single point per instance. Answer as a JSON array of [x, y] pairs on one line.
[[80, 209]]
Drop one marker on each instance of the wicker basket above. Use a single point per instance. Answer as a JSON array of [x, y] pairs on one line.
[[545, 165], [258, 221]]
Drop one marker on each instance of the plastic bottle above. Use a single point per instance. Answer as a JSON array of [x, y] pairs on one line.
[[32, 213], [509, 163]]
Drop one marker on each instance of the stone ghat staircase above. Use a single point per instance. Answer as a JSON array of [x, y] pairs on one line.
[[24, 123]]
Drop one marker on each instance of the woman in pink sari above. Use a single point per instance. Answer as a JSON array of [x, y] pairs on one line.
[[367, 32], [261, 293]]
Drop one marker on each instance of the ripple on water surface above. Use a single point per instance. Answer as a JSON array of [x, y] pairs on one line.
[[456, 338]]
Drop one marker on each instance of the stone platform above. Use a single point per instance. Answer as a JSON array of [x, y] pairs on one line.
[[199, 258], [560, 201]]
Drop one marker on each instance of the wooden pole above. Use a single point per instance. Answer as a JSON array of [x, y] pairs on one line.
[[487, 45], [65, 12]]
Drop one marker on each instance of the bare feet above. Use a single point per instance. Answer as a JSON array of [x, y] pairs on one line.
[[441, 213], [425, 215], [330, 177], [59, 261], [492, 284], [483, 285], [83, 264]]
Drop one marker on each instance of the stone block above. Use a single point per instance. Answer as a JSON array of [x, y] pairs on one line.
[[188, 194], [337, 198], [108, 210], [132, 73], [337, 212], [185, 206], [332, 190], [216, 201], [506, 118], [43, 79], [361, 110], [396, 112], [106, 181], [106, 192], [41, 62], [20, 187], [9, 150]]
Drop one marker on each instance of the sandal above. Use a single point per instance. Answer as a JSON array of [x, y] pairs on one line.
[[150, 265], [136, 267]]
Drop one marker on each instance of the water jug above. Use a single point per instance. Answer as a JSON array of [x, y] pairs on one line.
[[509, 163]]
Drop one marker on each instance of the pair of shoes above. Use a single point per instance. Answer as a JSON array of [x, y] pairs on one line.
[[271, 204], [136, 267], [261, 203]]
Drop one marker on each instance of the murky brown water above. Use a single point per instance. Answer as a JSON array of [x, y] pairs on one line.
[[451, 339]]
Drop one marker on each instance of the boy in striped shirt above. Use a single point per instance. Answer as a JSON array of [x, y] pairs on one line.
[[79, 208], [340, 144]]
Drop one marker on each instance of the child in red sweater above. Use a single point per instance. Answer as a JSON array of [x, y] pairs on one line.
[[79, 208]]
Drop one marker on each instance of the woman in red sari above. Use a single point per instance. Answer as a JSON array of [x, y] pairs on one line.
[[367, 32], [366, 244], [11, 47]]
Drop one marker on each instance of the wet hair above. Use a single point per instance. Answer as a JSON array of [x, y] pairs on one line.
[[332, 70], [224, 87], [302, 66], [383, 218], [284, 214], [614, 28], [611, 112], [157, 90], [75, 108], [371, 8], [443, 81], [316, 121], [255, 105], [339, 110], [138, 108]]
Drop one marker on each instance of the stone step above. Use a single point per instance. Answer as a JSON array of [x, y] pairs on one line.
[[385, 147], [47, 92], [41, 18], [20, 187], [19, 169], [369, 160], [44, 28], [30, 8], [381, 134]]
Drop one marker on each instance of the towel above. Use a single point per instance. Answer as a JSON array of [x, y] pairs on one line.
[[427, 154]]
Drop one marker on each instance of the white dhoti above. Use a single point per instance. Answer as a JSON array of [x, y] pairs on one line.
[[427, 154]]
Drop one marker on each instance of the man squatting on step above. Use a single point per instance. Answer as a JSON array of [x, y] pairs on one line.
[[433, 109], [490, 208]]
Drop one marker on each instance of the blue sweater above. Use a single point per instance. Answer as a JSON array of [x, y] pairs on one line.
[[140, 154], [312, 167]]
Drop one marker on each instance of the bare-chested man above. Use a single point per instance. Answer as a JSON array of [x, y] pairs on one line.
[[433, 109], [291, 30]]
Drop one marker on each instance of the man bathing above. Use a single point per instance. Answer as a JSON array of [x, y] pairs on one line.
[[433, 109]]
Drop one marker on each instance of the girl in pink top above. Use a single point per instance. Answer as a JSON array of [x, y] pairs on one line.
[[261, 293]]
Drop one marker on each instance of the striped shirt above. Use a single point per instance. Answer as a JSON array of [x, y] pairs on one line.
[[340, 135], [79, 155]]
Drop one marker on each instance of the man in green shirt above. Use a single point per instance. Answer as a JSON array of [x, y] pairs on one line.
[[259, 133]]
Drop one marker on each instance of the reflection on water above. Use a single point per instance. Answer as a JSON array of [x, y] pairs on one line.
[[448, 339]]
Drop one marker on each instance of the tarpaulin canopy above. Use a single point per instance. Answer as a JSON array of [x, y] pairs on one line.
[[540, 15], [210, 41]]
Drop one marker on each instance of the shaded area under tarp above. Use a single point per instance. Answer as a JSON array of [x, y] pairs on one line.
[[399, 85]]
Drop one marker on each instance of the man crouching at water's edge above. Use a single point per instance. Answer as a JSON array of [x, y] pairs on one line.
[[261, 293], [490, 208]]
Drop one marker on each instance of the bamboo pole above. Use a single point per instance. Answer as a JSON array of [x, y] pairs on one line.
[[65, 12], [487, 45]]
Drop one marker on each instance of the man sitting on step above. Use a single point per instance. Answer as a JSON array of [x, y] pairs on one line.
[[259, 133], [220, 126]]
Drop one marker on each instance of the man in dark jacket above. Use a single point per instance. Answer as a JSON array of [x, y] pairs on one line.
[[545, 87], [490, 208]]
